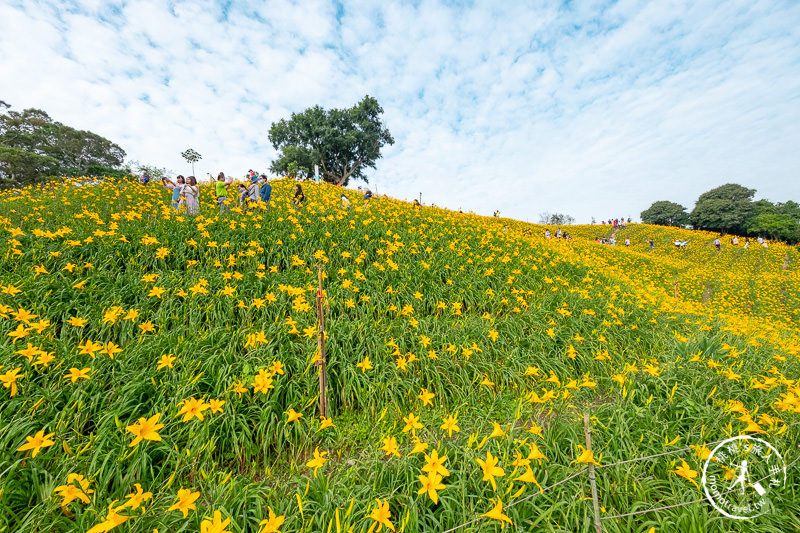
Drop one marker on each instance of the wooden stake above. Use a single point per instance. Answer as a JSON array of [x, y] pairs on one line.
[[322, 363], [587, 429]]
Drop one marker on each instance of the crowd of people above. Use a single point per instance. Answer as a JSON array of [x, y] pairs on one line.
[[559, 235], [185, 193], [255, 189], [616, 222]]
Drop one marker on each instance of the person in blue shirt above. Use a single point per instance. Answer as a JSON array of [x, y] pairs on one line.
[[176, 190], [266, 190]]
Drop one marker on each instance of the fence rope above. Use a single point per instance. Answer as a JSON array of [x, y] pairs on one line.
[[533, 495], [685, 503], [554, 485], [688, 448], [653, 510], [625, 461]]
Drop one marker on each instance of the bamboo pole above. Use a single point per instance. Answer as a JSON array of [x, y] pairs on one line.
[[322, 363], [587, 429]]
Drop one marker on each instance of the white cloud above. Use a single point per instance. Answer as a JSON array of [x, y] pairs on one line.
[[593, 109]]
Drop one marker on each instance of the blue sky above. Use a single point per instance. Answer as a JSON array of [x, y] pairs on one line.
[[590, 108]]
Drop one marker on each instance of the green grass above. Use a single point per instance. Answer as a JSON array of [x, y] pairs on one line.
[[463, 277]]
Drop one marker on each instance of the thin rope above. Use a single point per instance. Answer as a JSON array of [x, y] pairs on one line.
[[655, 509], [554, 485], [479, 518], [688, 448], [709, 444], [685, 503], [576, 474]]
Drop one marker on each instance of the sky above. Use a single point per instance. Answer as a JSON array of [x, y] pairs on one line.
[[595, 109]]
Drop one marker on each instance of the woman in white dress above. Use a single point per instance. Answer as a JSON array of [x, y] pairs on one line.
[[191, 192]]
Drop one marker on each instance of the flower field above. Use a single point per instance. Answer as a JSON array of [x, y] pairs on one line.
[[160, 371]]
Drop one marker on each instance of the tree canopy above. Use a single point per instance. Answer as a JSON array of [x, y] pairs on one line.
[[343, 142], [724, 209], [665, 213], [33, 145], [191, 156], [556, 219], [730, 209]]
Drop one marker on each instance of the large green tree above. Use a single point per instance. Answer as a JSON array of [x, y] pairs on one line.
[[19, 166], [343, 142], [779, 221], [665, 213], [724, 209], [775, 226], [34, 145]]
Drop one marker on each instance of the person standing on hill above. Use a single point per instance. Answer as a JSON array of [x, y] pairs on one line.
[[221, 192], [717, 244], [176, 190], [299, 197], [191, 192], [651, 243], [266, 190]]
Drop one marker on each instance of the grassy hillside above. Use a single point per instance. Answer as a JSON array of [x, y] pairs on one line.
[[472, 337]]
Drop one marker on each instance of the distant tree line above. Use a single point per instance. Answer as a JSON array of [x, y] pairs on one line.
[[731, 209], [33, 147], [555, 219]]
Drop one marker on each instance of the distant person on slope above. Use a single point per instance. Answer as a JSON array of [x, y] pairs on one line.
[[176, 190], [266, 190], [299, 197], [221, 192], [191, 192]]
